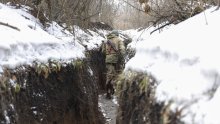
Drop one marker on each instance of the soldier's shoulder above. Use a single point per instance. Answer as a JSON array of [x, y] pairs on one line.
[[118, 39]]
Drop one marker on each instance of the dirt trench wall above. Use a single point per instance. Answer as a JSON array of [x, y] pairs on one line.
[[96, 61], [137, 102], [68, 95]]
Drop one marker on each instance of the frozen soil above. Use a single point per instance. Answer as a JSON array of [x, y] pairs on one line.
[[108, 108]]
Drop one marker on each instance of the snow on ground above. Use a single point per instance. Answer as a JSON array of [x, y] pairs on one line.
[[108, 108], [28, 41], [184, 59]]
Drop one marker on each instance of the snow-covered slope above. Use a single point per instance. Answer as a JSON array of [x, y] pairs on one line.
[[184, 59], [23, 40]]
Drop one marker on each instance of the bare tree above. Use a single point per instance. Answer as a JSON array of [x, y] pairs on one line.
[[165, 12], [123, 15]]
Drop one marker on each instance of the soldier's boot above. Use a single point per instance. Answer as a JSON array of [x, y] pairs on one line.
[[112, 90], [108, 95], [108, 89]]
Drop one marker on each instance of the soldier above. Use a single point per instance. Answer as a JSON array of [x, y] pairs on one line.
[[114, 51]]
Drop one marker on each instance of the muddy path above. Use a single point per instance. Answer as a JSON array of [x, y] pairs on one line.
[[108, 108]]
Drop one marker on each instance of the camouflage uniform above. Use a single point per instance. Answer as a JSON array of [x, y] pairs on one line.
[[112, 59]]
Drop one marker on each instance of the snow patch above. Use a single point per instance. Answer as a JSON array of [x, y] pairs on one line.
[[184, 59], [33, 43]]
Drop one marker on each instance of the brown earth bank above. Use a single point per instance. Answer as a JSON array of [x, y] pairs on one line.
[[137, 102], [50, 94]]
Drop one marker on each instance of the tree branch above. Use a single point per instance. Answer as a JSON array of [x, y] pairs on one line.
[[161, 27], [133, 6], [6, 24]]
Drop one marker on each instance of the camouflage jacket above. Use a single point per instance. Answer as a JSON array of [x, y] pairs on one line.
[[112, 55]]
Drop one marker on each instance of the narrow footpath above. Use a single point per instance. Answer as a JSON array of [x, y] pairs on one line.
[[108, 108]]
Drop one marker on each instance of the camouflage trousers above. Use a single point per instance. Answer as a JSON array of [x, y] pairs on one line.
[[111, 74]]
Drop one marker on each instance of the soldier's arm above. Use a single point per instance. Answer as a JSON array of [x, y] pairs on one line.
[[121, 47], [103, 47]]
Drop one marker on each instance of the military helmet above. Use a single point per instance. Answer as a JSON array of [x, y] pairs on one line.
[[113, 34]]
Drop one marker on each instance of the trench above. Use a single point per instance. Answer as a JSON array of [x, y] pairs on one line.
[[54, 92], [74, 93], [106, 106]]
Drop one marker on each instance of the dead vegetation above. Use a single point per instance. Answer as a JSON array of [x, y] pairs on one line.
[[96, 61], [50, 93], [137, 104], [162, 13], [124, 15], [69, 12]]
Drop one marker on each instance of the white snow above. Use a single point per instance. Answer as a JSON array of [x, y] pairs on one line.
[[32, 42], [100, 104], [115, 101], [184, 59], [7, 117]]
